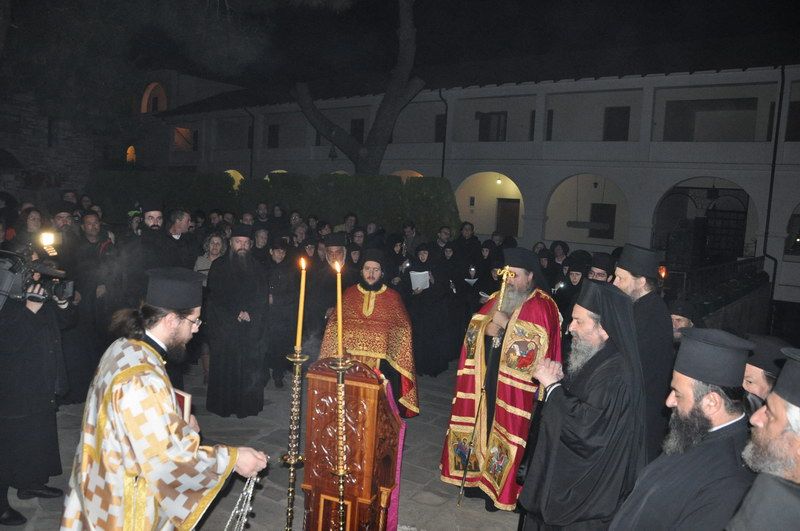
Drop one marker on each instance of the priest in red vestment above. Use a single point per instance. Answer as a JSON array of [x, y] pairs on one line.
[[376, 331], [501, 347]]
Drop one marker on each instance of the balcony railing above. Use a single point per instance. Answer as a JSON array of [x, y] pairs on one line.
[[711, 287]]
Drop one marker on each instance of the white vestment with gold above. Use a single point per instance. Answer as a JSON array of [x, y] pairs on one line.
[[138, 464]]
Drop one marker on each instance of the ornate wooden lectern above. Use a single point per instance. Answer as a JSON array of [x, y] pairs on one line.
[[370, 451]]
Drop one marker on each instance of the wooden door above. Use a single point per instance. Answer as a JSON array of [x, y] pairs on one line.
[[507, 216]]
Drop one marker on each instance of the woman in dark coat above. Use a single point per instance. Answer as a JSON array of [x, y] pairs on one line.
[[426, 306], [32, 374], [394, 260], [491, 258]]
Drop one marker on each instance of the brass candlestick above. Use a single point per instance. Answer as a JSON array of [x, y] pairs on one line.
[[292, 458], [340, 366]]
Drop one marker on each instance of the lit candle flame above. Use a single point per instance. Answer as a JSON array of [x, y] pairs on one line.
[[302, 263], [337, 267]]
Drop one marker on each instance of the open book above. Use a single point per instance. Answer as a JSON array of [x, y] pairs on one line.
[[420, 279], [184, 401]]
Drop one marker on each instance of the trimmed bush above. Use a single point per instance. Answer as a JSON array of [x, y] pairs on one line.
[[386, 199]]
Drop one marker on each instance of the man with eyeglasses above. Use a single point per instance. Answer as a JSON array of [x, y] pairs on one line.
[[602, 268], [376, 330], [138, 462]]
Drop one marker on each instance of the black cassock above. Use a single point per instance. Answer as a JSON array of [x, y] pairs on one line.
[[320, 297], [32, 373], [772, 503], [698, 489], [588, 450], [282, 322], [236, 374], [657, 353]]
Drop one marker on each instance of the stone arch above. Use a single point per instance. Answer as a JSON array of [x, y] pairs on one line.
[[792, 245], [487, 199], [589, 209], [705, 220], [8, 162], [154, 98]]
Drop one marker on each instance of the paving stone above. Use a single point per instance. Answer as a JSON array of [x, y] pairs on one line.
[[426, 503]]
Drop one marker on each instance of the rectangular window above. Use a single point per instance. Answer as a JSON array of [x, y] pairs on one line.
[[605, 213], [718, 120], [491, 126], [318, 139], [548, 133], [440, 128], [357, 129], [616, 122], [532, 127], [793, 122], [184, 139], [273, 136]]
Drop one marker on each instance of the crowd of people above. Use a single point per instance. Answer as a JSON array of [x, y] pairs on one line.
[[579, 391]]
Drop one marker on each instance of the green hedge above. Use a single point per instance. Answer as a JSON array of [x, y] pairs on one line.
[[428, 201]]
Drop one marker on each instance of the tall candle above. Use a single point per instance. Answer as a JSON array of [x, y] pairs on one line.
[[338, 308], [298, 342]]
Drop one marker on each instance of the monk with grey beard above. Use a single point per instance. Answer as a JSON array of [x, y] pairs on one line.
[[495, 391], [591, 441], [238, 295], [773, 502]]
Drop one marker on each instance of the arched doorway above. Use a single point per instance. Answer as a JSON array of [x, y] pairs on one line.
[[705, 220], [154, 98], [793, 233], [130, 155], [492, 202], [587, 209]]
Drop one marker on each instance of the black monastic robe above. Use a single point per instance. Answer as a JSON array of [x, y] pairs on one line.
[[697, 489], [772, 503], [236, 375], [588, 450], [657, 354]]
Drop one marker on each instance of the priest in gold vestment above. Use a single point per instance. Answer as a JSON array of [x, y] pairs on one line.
[[377, 332], [139, 464]]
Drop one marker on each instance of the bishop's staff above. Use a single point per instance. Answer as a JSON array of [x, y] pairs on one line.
[[504, 275]]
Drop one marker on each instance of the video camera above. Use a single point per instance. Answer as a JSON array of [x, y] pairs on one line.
[[16, 275]]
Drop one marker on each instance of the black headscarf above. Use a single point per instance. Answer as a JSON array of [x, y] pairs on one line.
[[616, 317]]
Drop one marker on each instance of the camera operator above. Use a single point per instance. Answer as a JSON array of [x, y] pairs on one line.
[[31, 375]]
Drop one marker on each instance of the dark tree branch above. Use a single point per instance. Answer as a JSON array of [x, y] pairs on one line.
[[338, 136], [400, 90]]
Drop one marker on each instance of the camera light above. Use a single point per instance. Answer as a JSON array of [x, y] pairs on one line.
[[47, 239]]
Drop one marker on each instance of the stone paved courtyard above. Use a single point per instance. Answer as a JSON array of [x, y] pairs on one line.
[[425, 502]]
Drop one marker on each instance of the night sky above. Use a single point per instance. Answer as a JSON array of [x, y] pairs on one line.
[[81, 53], [310, 43]]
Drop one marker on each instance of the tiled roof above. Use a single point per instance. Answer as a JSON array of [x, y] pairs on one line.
[[663, 58]]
